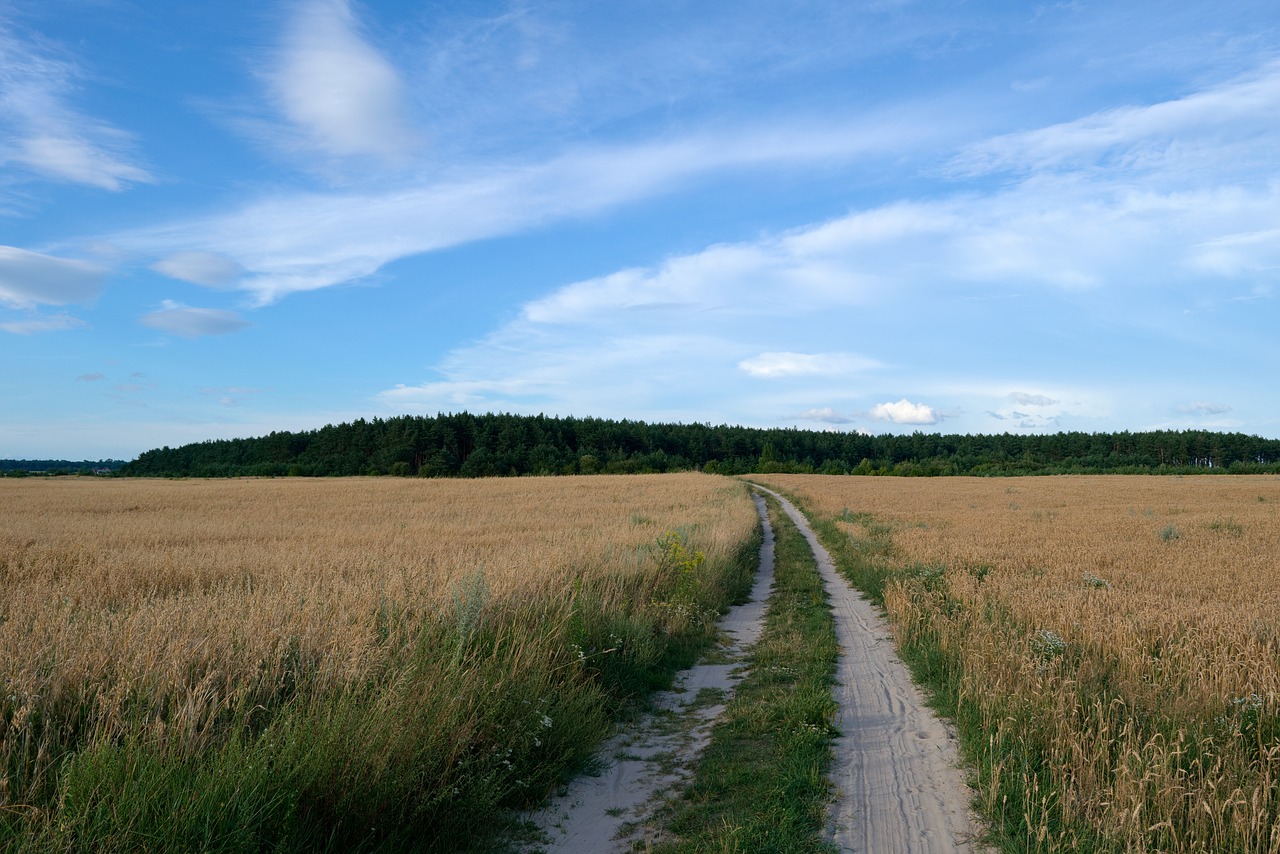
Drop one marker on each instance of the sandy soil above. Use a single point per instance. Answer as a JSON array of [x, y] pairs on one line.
[[655, 756], [895, 767]]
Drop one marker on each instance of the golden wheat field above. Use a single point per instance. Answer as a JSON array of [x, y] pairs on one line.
[[152, 579], [1119, 635], [164, 601]]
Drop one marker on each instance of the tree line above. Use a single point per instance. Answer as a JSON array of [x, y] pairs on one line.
[[469, 445], [23, 468]]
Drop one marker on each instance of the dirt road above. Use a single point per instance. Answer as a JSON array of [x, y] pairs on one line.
[[606, 813], [895, 769], [895, 776]]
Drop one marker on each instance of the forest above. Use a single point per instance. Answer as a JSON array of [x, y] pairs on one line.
[[488, 445]]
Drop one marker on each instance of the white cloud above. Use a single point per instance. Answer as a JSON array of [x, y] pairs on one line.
[[50, 323], [826, 415], [307, 241], [41, 132], [91, 378], [1244, 106], [177, 319], [775, 365], [1031, 399], [1048, 235], [336, 88], [28, 279], [199, 268], [905, 412]]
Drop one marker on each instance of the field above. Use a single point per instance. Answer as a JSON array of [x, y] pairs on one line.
[[309, 664], [1110, 646]]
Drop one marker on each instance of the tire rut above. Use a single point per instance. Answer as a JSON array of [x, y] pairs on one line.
[[895, 769]]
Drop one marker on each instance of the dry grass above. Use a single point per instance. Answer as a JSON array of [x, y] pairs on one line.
[[167, 604], [1117, 639]]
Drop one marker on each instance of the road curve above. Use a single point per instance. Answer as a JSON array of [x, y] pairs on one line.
[[895, 770]]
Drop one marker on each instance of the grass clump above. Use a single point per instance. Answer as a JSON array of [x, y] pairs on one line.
[[761, 784]]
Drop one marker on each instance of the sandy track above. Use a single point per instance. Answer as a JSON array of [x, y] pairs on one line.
[[607, 813], [895, 770]]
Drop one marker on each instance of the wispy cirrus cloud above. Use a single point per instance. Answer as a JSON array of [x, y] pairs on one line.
[[1234, 113], [1086, 227], [41, 131], [299, 242]]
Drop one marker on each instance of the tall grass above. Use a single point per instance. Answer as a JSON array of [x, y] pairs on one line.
[[334, 665], [1117, 688]]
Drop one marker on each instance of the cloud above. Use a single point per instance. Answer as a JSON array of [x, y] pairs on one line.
[[1031, 399], [826, 415], [1201, 407], [776, 365], [905, 412], [199, 268], [298, 242], [50, 323], [1135, 136], [44, 134], [91, 378], [343, 95], [177, 319], [28, 279]]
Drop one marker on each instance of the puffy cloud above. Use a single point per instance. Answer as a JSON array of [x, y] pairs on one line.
[[775, 365], [28, 279], [336, 88], [91, 378], [905, 412], [199, 268], [177, 319]]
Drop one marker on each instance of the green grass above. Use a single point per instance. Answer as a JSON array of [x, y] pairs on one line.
[[761, 785]]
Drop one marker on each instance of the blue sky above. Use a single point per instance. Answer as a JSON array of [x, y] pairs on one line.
[[219, 220]]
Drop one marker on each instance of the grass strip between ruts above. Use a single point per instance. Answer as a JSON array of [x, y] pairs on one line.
[[761, 785]]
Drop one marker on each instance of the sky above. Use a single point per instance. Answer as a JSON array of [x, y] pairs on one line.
[[220, 220]]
